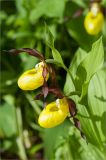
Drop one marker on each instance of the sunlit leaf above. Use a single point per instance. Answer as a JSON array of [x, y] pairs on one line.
[[67, 148], [88, 67], [93, 117], [50, 43]]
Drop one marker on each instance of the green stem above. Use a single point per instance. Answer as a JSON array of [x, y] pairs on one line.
[[19, 140], [68, 71]]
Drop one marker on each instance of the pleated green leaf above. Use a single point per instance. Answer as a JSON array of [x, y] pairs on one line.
[[93, 116], [97, 101], [88, 67], [67, 148], [92, 122]]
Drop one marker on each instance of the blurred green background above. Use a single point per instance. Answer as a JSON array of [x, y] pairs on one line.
[[23, 25]]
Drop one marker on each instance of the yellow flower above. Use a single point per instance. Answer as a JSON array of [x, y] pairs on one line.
[[32, 78], [54, 113], [94, 20]]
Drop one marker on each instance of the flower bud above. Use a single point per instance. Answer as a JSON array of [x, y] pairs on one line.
[[54, 113], [94, 20], [32, 79]]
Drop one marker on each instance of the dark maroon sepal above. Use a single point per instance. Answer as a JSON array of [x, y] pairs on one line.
[[56, 92], [77, 123], [72, 107], [45, 86], [44, 73], [78, 126], [52, 76], [83, 136], [32, 52]]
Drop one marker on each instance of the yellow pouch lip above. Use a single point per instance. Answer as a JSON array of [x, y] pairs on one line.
[[30, 72], [93, 24], [33, 78], [54, 113], [52, 107]]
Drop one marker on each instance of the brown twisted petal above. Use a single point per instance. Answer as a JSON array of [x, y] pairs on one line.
[[32, 52]]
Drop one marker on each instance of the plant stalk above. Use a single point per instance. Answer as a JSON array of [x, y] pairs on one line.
[[19, 140]]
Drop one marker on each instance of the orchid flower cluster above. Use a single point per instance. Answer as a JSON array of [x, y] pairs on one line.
[[57, 111]]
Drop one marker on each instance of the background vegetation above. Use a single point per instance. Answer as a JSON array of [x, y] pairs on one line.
[[23, 25]]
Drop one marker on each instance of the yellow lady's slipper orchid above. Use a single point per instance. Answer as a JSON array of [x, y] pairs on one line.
[[54, 113], [94, 20], [32, 78]]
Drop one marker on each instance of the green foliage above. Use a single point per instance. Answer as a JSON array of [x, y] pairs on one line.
[[76, 29], [8, 80], [49, 9], [92, 115], [8, 125], [80, 67], [92, 62], [57, 133], [84, 68], [50, 42]]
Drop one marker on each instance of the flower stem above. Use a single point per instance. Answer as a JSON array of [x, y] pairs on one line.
[[68, 71], [19, 140]]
